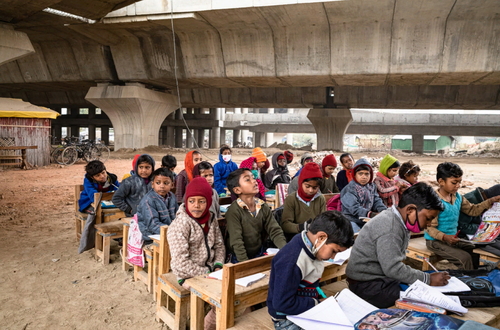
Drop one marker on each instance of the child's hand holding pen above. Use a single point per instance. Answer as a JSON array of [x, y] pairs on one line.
[[438, 278]]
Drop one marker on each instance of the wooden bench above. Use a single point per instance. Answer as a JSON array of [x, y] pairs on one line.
[[103, 235], [485, 255], [417, 250], [24, 164], [80, 217]]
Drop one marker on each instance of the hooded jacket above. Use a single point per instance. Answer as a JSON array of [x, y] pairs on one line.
[[279, 174], [221, 172], [155, 211], [90, 187], [358, 200], [131, 191]]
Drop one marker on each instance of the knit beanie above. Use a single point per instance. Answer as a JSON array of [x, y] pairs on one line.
[[309, 171], [200, 187], [492, 191], [281, 157], [305, 157], [386, 162], [248, 163], [329, 160], [288, 156], [259, 155], [134, 161]]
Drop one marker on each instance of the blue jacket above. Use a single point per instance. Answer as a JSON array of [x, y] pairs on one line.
[[355, 205], [155, 211], [131, 191], [90, 187], [221, 172]]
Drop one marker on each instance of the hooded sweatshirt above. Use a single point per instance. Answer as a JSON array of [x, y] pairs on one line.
[[90, 187], [131, 191], [221, 172], [358, 200], [386, 187], [303, 159], [279, 174]]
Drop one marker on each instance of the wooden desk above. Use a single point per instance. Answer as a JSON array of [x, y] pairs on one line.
[[24, 163], [209, 290], [156, 268]]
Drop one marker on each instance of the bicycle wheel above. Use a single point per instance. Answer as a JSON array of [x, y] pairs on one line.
[[100, 152], [69, 156], [55, 155]]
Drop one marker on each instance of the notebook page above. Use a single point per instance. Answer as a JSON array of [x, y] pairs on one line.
[[353, 306], [324, 316], [244, 281], [420, 291], [340, 257], [454, 285]]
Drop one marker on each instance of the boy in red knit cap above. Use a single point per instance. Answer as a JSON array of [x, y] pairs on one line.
[[328, 166], [304, 204]]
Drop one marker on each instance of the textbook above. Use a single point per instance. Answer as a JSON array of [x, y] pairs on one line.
[[244, 281], [418, 306], [107, 204], [489, 229]]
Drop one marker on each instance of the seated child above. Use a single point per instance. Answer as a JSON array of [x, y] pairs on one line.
[[304, 204], [96, 179], [133, 188], [328, 166], [407, 176], [360, 198], [186, 175], [376, 267], [205, 170], [251, 164], [306, 158], [170, 162], [279, 173], [196, 244], [262, 162], [222, 170], [248, 218], [158, 206], [387, 188], [134, 161], [346, 175], [441, 236], [297, 268]]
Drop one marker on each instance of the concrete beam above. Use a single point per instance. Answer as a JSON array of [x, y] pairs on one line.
[[13, 44]]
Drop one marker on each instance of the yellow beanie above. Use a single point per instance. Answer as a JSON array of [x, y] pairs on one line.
[[259, 154]]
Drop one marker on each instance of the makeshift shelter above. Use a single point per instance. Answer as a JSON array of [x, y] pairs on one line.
[[432, 143], [25, 124]]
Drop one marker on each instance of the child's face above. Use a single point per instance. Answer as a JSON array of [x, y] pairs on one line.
[[424, 216], [226, 152], [329, 170], [247, 185], [254, 166], [328, 251], [161, 185], [196, 205], [450, 185], [144, 170], [209, 175], [310, 187], [392, 172], [197, 158], [261, 164], [362, 177], [348, 162], [412, 178], [100, 177], [281, 162], [308, 160]]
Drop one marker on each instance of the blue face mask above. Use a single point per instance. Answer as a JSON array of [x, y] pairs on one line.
[[255, 174]]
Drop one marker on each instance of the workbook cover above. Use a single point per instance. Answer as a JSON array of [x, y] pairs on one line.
[[489, 229], [399, 319]]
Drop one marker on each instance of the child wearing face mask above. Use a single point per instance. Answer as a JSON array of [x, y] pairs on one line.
[[297, 268], [376, 269], [222, 170], [387, 188]]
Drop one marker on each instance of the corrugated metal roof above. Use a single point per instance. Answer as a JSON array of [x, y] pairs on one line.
[[20, 109]]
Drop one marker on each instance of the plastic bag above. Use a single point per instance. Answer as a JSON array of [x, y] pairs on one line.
[[135, 254]]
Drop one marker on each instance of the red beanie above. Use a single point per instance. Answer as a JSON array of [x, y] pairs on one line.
[[329, 160], [288, 156], [280, 157], [200, 187], [134, 161], [309, 171]]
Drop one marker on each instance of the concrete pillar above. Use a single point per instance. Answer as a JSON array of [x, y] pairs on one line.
[[105, 135], [330, 126], [200, 138], [222, 137], [92, 132], [244, 136], [269, 139], [270, 110], [13, 44], [417, 143], [237, 110], [74, 131], [260, 139], [189, 139], [135, 111], [289, 139], [170, 138], [244, 110], [178, 137], [236, 136], [178, 114], [56, 132], [215, 137]]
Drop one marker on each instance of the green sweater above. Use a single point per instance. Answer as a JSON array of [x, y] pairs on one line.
[[296, 212], [247, 233]]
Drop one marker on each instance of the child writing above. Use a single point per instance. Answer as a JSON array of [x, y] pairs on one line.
[[205, 170], [408, 175], [297, 268], [170, 162], [96, 179], [304, 204], [248, 218], [441, 236], [360, 198], [387, 188], [279, 173], [195, 240], [376, 267], [133, 188], [222, 170], [346, 175], [186, 175], [158, 206]]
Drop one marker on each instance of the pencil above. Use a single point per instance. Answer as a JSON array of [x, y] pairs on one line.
[[427, 261]]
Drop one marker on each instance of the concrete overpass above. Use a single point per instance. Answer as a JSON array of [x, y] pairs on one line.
[[375, 54]]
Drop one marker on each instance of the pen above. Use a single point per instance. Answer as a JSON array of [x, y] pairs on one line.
[[427, 261], [321, 293], [458, 232]]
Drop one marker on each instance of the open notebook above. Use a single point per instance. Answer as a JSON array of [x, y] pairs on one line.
[[339, 312], [244, 281]]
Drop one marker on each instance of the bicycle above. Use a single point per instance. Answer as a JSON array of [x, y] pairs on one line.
[[87, 150], [56, 153]]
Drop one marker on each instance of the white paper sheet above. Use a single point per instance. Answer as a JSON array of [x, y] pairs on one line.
[[271, 251], [324, 316], [420, 291], [354, 307], [454, 285], [244, 281], [340, 257], [223, 208], [156, 237]]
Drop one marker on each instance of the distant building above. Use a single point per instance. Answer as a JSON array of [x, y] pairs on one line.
[[432, 143]]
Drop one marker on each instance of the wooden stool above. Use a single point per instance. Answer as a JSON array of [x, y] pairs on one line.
[[140, 274], [103, 235], [80, 217], [126, 226], [172, 300], [417, 250], [485, 255]]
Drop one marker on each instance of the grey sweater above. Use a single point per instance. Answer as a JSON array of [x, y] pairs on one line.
[[379, 251]]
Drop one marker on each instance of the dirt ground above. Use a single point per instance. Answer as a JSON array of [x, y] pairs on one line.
[[45, 284]]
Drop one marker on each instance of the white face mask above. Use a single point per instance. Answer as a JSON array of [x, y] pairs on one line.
[[315, 249], [226, 158]]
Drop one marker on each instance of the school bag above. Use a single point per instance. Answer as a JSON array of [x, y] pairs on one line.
[[484, 285]]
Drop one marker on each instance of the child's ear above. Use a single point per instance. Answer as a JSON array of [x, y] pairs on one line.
[[410, 208], [441, 181], [237, 190]]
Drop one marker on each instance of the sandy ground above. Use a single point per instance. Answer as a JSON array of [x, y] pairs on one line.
[[45, 284]]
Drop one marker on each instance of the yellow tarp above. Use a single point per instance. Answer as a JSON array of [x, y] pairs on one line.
[[20, 109]]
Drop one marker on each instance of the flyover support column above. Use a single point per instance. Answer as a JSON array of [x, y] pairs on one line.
[[200, 138], [236, 137], [13, 44], [222, 137], [170, 136], [189, 139], [417, 141], [178, 137], [260, 139], [135, 111], [214, 137], [330, 126], [105, 135]]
